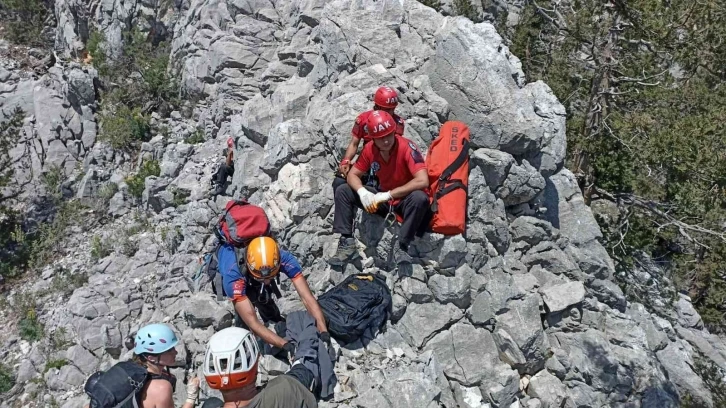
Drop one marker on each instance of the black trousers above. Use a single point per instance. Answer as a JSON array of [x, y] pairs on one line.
[[223, 172], [414, 209]]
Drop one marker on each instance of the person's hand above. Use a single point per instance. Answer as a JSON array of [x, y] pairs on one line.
[[289, 349], [193, 390], [382, 198], [230, 143], [325, 337], [344, 169], [368, 200]]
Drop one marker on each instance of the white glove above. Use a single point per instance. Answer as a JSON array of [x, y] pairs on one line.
[[367, 199], [382, 198], [193, 390]]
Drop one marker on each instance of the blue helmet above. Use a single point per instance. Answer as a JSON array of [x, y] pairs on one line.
[[155, 339]]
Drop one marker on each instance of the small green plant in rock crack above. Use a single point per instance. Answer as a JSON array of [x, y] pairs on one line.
[[59, 339], [180, 196], [66, 282], [59, 363], [7, 380], [52, 179], [137, 182], [29, 327], [195, 138], [100, 248]]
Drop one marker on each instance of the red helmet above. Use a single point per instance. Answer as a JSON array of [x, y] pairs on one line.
[[386, 97], [380, 124]]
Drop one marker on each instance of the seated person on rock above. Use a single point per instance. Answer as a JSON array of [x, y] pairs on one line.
[[252, 287], [155, 349], [385, 99], [400, 168], [230, 366]]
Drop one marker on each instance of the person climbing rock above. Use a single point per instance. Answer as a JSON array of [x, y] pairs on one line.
[[253, 287], [399, 165], [154, 352], [231, 364], [385, 99], [226, 169]]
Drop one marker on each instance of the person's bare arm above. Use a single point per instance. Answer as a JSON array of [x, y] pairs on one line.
[[353, 178], [350, 152], [247, 313], [230, 156], [419, 181], [311, 304]]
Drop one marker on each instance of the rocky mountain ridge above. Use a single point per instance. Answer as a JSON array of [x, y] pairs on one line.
[[523, 312]]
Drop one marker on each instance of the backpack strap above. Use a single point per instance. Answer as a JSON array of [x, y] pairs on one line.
[[446, 186], [460, 159], [165, 375]]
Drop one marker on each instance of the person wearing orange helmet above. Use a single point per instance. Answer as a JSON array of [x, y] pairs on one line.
[[399, 166], [230, 366], [385, 99], [252, 290]]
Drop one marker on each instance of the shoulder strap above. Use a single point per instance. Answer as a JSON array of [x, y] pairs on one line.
[[460, 159], [165, 375]]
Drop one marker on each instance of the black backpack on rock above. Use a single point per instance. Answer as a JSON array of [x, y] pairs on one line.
[[358, 302], [120, 386]]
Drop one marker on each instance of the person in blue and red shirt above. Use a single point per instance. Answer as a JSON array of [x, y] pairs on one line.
[[385, 99], [264, 261], [400, 168]]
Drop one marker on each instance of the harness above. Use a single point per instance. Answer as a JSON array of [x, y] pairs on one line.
[[210, 264]]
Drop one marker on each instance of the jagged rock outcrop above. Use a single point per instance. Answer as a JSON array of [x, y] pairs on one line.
[[523, 311]]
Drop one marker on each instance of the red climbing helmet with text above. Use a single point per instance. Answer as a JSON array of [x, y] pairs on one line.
[[386, 97], [380, 124]]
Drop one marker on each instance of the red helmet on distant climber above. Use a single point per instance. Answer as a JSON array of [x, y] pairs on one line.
[[386, 97], [380, 124]]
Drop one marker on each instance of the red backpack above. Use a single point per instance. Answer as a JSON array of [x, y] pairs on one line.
[[447, 162], [242, 222]]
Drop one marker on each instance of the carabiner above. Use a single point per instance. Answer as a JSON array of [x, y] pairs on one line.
[[390, 219]]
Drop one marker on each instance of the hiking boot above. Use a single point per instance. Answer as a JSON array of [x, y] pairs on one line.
[[401, 256], [346, 252]]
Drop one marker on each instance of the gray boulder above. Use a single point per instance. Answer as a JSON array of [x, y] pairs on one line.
[[520, 337], [466, 353], [523, 183], [65, 378], [83, 359], [549, 390], [416, 291], [560, 297], [494, 165], [609, 293], [201, 311], [422, 321], [677, 362], [452, 289], [687, 314]]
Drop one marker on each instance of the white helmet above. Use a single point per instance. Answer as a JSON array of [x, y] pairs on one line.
[[230, 361]]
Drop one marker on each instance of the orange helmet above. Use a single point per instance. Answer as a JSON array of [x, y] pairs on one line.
[[386, 97], [263, 258], [230, 361], [380, 124]]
